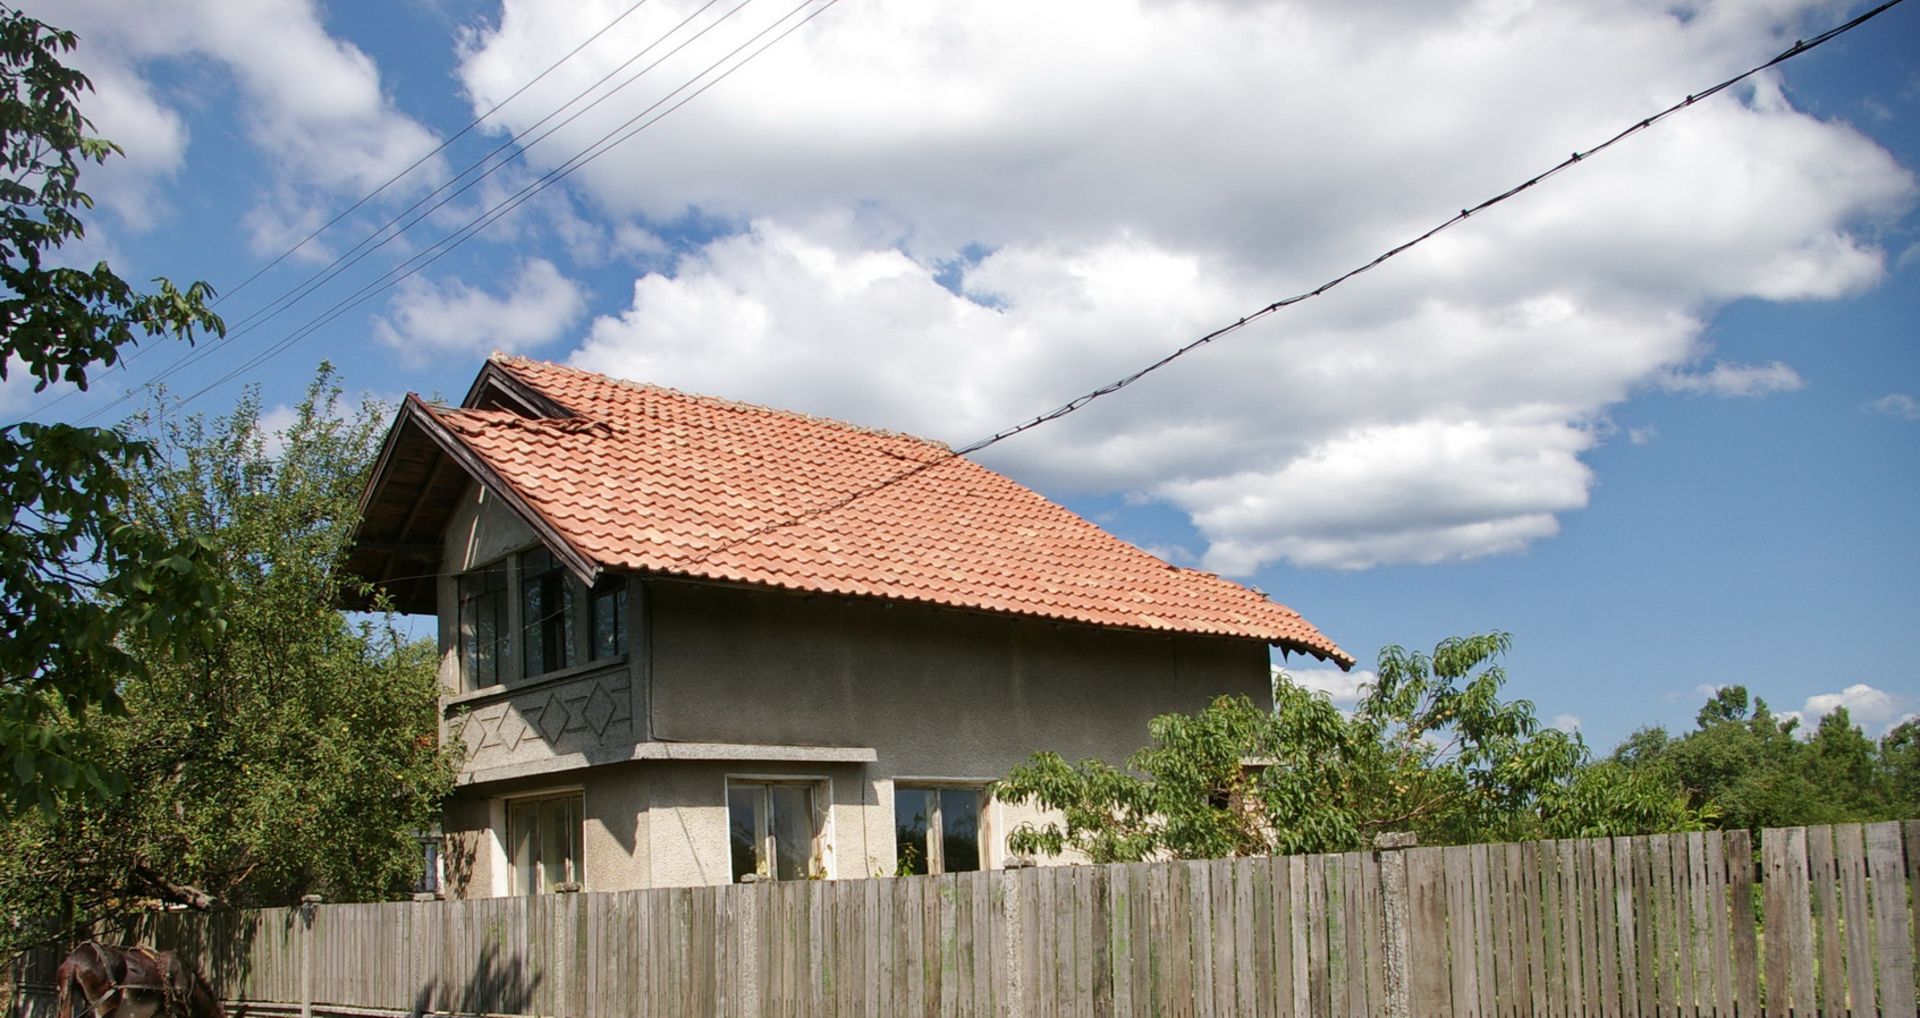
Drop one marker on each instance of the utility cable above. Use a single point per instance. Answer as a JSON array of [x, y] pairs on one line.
[[361, 250], [354, 255], [447, 244], [463, 132], [1082, 400], [376, 192]]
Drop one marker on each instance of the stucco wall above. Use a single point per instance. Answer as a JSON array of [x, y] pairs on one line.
[[934, 692], [588, 711], [939, 695]]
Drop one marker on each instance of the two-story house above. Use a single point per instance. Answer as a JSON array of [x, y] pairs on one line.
[[685, 639]]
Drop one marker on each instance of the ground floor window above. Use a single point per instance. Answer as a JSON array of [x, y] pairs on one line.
[[773, 830], [936, 830], [543, 840], [430, 840]]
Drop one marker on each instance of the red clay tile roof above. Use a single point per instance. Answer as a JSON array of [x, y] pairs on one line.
[[647, 478]]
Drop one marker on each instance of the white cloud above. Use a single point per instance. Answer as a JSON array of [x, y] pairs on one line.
[[1875, 710], [1569, 723], [311, 103], [1896, 404], [425, 319], [1734, 380], [1343, 688], [950, 233], [1643, 435]]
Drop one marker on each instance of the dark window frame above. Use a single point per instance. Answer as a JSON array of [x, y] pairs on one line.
[[481, 592], [549, 638], [934, 839]]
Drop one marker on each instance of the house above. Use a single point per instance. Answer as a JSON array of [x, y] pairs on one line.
[[685, 640]]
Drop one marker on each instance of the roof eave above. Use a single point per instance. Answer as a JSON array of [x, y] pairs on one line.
[[580, 563]]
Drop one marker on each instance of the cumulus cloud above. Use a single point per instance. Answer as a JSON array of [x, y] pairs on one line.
[[1875, 710], [947, 233], [312, 103], [1895, 404], [1734, 380], [1569, 723], [425, 319], [1343, 688]]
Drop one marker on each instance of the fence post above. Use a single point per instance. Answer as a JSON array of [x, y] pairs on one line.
[[1393, 894], [1018, 868], [309, 911]]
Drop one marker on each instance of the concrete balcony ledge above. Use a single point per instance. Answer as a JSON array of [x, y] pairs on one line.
[[685, 751]]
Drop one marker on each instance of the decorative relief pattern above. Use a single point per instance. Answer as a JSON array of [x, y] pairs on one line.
[[590, 712]]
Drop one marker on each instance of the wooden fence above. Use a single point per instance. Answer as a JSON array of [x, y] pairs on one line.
[[1819, 921]]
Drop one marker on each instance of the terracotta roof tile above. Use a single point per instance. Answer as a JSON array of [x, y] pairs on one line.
[[648, 478]]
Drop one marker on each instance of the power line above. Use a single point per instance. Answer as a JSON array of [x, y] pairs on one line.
[[607, 142], [354, 255], [1082, 400], [463, 132], [1077, 402], [369, 196], [360, 251], [448, 243]]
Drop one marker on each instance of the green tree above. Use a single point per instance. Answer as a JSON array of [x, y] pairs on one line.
[[77, 578], [1900, 760], [1431, 748], [1745, 767], [294, 753]]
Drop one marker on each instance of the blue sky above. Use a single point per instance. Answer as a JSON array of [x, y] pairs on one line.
[[1656, 418]]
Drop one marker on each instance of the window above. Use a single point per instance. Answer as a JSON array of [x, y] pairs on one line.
[[772, 830], [546, 613], [429, 839], [936, 830], [483, 625], [559, 620], [543, 841], [607, 619]]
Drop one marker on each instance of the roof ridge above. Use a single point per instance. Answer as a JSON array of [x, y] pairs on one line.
[[719, 402], [509, 419]]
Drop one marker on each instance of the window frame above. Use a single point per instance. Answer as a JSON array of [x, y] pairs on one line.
[[467, 632], [500, 587], [541, 570], [766, 860], [574, 861], [935, 846]]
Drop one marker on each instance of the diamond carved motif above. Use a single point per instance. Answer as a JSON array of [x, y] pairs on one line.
[[598, 710], [489, 722], [553, 718]]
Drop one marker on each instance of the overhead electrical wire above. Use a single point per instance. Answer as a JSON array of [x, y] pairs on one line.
[[1075, 404], [605, 143], [443, 146], [361, 250], [389, 182], [448, 243]]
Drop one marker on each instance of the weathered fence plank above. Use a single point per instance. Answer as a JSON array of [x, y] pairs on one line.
[[1656, 925], [1850, 861]]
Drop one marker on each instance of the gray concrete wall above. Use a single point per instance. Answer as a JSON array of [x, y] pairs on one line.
[[587, 711], [939, 695], [934, 692]]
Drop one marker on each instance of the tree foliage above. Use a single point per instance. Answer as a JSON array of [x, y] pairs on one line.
[[77, 576], [293, 753], [1431, 748], [1749, 768]]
